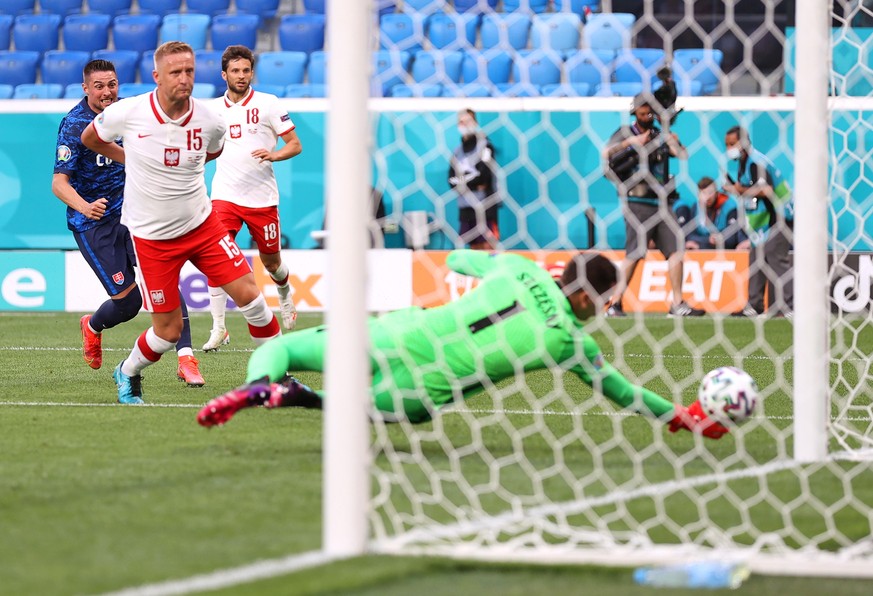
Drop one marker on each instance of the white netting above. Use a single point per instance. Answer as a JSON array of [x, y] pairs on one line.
[[538, 466]]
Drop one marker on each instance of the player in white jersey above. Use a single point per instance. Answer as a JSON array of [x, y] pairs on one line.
[[244, 188], [168, 138]]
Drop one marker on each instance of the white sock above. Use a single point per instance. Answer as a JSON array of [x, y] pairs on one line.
[[280, 275], [147, 350], [217, 306], [263, 325], [184, 352]]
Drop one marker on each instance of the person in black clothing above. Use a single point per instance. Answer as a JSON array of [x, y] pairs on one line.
[[472, 175]]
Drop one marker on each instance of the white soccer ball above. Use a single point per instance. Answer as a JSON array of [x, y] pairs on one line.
[[728, 395]]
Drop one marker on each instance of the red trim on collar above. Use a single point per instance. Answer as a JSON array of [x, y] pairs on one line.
[[155, 108], [157, 113], [190, 112], [248, 98], [251, 95]]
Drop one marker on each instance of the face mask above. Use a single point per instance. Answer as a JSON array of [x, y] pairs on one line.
[[467, 131], [733, 153]]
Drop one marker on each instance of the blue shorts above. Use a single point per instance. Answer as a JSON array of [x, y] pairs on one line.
[[109, 251]]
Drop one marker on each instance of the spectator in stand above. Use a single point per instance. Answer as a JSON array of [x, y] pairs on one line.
[[711, 221]]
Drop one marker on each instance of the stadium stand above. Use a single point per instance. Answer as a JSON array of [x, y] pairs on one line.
[[38, 91], [306, 90], [619, 89], [611, 31], [111, 7], [698, 65], [16, 7], [5, 31], [125, 61], [559, 31], [425, 6], [207, 68], [234, 29], [314, 6], [591, 67], [18, 67], [61, 7], [160, 7], [487, 68], [537, 68], [6, 91], [638, 65], [567, 90], [266, 9], [131, 89], [277, 90], [316, 73], [86, 32], [577, 6], [190, 27], [63, 67], [477, 6], [435, 67], [453, 31], [301, 32], [389, 68], [505, 31], [211, 7], [36, 32], [203, 90], [281, 68], [137, 32], [469, 90], [401, 32], [416, 90], [516, 90], [531, 6], [74, 91], [145, 67]]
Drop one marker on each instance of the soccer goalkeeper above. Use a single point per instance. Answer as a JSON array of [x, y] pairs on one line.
[[423, 360]]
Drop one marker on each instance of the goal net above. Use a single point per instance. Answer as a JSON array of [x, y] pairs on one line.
[[540, 466]]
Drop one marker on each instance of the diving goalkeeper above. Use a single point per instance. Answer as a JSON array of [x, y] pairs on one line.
[[422, 360]]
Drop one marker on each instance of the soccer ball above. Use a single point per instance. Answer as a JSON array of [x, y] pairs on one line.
[[728, 395]]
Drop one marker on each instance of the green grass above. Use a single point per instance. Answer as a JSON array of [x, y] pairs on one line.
[[101, 498]]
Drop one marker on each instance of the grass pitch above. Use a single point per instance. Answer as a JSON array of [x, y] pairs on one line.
[[97, 497]]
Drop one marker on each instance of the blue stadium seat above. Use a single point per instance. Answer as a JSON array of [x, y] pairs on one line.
[[63, 67], [530, 6], [305, 90], [390, 68], [210, 7], [74, 91], [638, 65], [5, 30], [701, 65], [137, 32], [487, 68], [125, 62], [266, 9], [188, 27], [61, 7], [131, 89], [38, 91], [17, 67], [416, 91], [452, 31], [203, 91], [435, 67], [568, 90], [537, 67], [207, 69], [234, 29], [476, 6], [505, 31], [608, 31], [469, 90], [111, 7], [146, 66], [281, 68], [314, 6], [619, 90], [592, 67], [688, 87], [516, 90], [425, 6], [277, 90], [316, 73], [577, 6], [401, 32], [15, 7], [559, 31], [36, 32], [86, 32], [6, 91], [301, 32], [384, 7], [160, 7]]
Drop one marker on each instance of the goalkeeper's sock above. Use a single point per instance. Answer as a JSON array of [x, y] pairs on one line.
[[115, 312], [147, 350]]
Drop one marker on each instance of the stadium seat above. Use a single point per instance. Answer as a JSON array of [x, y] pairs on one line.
[[314, 6], [477, 6], [401, 32], [435, 67], [390, 68], [688, 87], [516, 90], [281, 68], [316, 70], [61, 7], [146, 67], [452, 31], [6, 91], [207, 69], [559, 31], [15, 7], [74, 91], [592, 67], [701, 65], [210, 7], [425, 6], [111, 7], [234, 29], [63, 67], [266, 9], [486, 68], [203, 91], [638, 65], [277, 90], [576, 6], [36, 32], [125, 62], [416, 91], [608, 31], [537, 67], [505, 30], [305, 90], [301, 32], [469, 90], [5, 30], [530, 6], [160, 7], [189, 27], [568, 90], [38, 91], [137, 32], [619, 90], [131, 89], [17, 67], [86, 32]]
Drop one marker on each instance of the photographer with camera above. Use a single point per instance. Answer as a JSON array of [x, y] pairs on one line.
[[638, 163]]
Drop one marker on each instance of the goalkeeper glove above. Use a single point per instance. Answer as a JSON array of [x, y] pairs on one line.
[[694, 419]]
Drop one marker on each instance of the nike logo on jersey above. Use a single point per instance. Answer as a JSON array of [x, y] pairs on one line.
[[142, 136], [240, 262]]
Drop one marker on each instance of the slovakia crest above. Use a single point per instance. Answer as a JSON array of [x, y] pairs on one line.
[[235, 131], [118, 278], [171, 157], [157, 296]]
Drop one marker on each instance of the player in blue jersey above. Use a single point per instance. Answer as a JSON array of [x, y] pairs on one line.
[[92, 187]]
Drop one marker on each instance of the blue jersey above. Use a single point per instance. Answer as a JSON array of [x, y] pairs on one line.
[[92, 175]]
